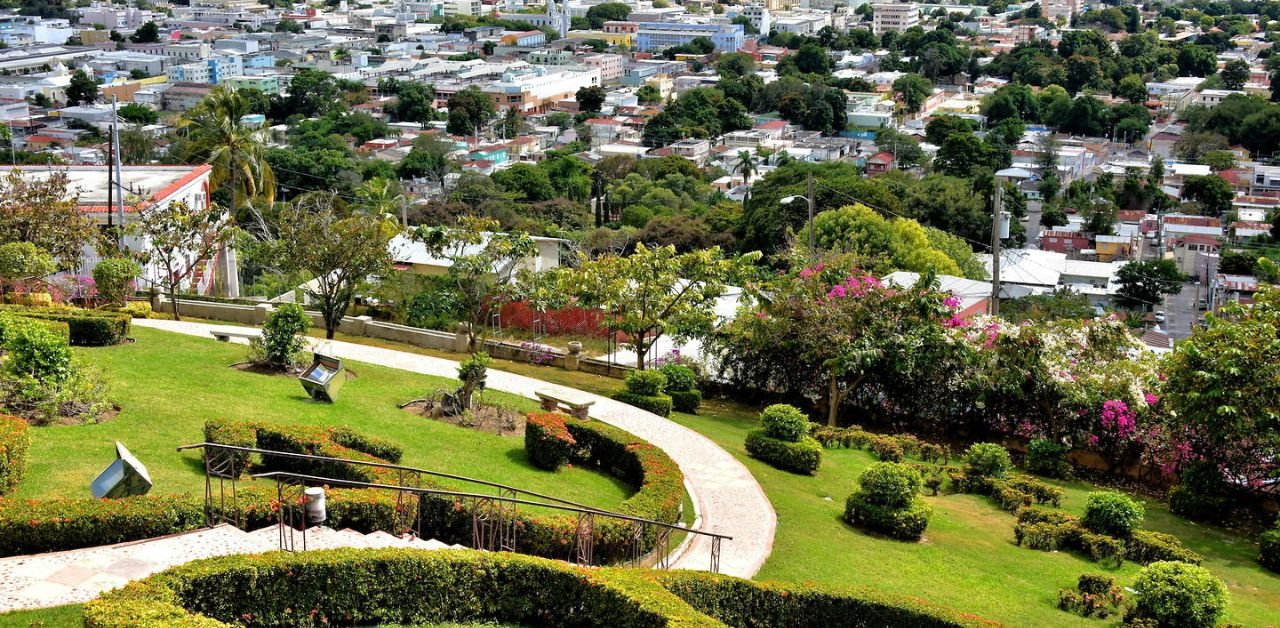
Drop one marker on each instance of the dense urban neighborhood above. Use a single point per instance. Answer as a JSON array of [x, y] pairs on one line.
[[640, 312]]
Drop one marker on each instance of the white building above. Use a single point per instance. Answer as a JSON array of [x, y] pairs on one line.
[[897, 16], [156, 186], [1065, 9]]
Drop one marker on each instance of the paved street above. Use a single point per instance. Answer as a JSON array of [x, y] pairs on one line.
[[1033, 223], [1180, 311]]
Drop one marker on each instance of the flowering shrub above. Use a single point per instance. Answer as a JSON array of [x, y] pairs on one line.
[[539, 355], [15, 439], [547, 440]]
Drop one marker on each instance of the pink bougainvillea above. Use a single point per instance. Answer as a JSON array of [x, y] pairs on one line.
[[1118, 417]]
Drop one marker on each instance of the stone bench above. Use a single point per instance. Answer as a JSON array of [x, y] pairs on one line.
[[575, 405], [225, 335]]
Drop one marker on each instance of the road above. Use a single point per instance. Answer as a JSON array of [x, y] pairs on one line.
[[1033, 223], [1180, 311]]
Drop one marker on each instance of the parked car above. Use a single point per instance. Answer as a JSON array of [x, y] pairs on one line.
[[1202, 304]]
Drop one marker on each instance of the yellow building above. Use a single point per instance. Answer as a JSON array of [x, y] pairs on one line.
[[614, 39]]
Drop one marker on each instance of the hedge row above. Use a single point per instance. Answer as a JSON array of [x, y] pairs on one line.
[[87, 328], [660, 405], [1051, 530], [333, 442], [659, 492], [803, 456], [15, 439], [396, 586], [547, 441], [38, 526]]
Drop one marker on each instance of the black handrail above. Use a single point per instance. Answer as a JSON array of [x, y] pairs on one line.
[[396, 467], [511, 500]]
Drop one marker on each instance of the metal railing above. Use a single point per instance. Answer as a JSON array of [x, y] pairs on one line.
[[493, 517]]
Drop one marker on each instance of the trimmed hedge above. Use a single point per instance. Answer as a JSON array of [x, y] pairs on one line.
[[334, 442], [397, 586], [687, 401], [660, 405], [803, 456], [15, 439], [87, 328], [547, 441], [1146, 547], [739, 602], [886, 501], [1050, 530]]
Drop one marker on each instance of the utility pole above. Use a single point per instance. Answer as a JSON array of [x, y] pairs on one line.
[[997, 203], [115, 121], [111, 146], [813, 252]]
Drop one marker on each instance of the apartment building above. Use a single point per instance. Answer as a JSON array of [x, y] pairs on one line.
[[657, 36], [896, 16]]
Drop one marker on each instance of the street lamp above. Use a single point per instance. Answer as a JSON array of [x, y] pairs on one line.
[[787, 200]]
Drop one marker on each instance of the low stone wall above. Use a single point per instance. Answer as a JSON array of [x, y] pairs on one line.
[[418, 337]]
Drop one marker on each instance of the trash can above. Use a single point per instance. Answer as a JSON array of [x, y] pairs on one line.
[[315, 505]]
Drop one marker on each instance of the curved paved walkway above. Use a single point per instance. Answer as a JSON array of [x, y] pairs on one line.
[[728, 498]]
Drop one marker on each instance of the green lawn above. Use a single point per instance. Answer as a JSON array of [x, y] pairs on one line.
[[169, 384], [56, 617], [968, 560]]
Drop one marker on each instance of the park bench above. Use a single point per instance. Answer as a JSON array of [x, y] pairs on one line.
[[576, 405], [225, 335]]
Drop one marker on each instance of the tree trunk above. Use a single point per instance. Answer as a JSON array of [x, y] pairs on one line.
[[173, 298], [833, 401]]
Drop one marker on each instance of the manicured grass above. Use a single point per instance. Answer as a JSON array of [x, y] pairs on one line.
[[169, 384], [58, 616], [968, 560]]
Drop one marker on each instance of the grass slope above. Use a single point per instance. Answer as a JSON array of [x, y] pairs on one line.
[[169, 384]]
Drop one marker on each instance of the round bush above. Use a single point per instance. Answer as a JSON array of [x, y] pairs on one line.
[[680, 378], [906, 523], [1112, 513], [801, 456], [887, 448], [1201, 493], [1177, 595], [987, 460], [645, 383], [889, 484], [114, 278], [784, 422], [1047, 458]]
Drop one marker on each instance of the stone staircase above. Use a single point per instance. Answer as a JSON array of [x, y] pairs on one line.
[[76, 576]]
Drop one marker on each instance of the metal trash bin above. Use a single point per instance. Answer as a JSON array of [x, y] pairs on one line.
[[315, 505]]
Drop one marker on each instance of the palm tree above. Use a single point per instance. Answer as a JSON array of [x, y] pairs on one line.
[[746, 167], [380, 196], [217, 135]]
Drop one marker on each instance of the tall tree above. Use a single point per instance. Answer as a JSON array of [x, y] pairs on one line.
[[180, 238], [1144, 284], [415, 102], [1235, 74], [747, 168], [469, 111], [45, 212], [337, 253], [483, 265], [590, 98], [1211, 191], [217, 135], [382, 197], [654, 292], [913, 90], [148, 33], [83, 89]]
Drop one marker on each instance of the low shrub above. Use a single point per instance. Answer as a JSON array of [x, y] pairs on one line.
[[88, 328], [737, 602], [1046, 536], [283, 343], [660, 405], [1095, 595], [377, 447], [1037, 514], [938, 454], [35, 351], [114, 278], [136, 309], [1269, 549], [1201, 493], [910, 444], [1177, 594], [352, 587], [31, 526], [784, 422], [547, 441], [680, 378], [1012, 499], [15, 440], [1112, 513], [687, 401], [1101, 548], [987, 460], [645, 383], [906, 524], [235, 434], [803, 456], [1047, 458], [1146, 547], [851, 437], [1039, 491], [886, 501], [42, 384], [933, 481], [887, 449]]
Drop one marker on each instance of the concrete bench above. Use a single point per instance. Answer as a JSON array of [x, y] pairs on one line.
[[225, 335], [577, 406]]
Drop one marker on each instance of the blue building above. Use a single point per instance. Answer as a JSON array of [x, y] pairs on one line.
[[656, 36]]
